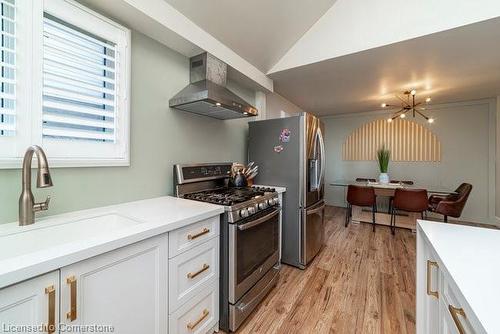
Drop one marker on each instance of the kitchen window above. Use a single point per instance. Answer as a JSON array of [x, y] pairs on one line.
[[77, 85]]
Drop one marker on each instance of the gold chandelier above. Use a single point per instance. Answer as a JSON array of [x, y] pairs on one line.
[[408, 104]]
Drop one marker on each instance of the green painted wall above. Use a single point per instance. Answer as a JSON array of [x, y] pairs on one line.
[[160, 137]]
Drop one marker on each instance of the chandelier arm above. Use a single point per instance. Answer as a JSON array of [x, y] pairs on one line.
[[427, 118], [402, 100]]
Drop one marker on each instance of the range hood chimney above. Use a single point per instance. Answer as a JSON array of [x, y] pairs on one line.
[[207, 93]]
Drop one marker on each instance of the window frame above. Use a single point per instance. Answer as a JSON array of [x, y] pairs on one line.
[[63, 153]]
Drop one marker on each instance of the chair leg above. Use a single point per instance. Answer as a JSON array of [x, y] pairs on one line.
[[445, 219], [393, 221], [389, 210], [348, 214], [422, 214], [374, 210]]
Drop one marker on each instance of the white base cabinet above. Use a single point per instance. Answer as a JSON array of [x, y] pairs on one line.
[[126, 290], [441, 308], [31, 306]]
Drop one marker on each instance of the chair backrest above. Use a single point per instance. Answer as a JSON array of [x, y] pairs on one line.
[[454, 204], [411, 200], [360, 195]]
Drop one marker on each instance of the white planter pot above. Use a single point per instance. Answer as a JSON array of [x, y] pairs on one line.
[[383, 178]]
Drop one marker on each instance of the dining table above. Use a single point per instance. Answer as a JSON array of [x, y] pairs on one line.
[[407, 220]]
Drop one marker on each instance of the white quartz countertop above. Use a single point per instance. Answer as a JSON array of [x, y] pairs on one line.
[[471, 256], [151, 217]]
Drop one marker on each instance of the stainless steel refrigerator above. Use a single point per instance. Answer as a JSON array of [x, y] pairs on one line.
[[290, 152]]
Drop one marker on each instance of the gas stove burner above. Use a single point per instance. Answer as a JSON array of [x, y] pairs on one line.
[[229, 196]]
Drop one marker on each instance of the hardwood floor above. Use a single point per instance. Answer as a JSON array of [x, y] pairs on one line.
[[361, 282]]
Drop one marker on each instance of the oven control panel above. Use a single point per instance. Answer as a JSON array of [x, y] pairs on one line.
[[201, 172]]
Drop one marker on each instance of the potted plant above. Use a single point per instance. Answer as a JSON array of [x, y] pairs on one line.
[[383, 156]]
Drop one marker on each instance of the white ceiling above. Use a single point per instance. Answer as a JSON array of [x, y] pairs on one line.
[[454, 65], [261, 31]]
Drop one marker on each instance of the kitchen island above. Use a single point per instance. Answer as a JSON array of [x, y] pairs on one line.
[[457, 278]]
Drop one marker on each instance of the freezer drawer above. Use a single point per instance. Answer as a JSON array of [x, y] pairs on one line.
[[313, 229]]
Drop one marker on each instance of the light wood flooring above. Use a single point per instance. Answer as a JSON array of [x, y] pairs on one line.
[[361, 282]]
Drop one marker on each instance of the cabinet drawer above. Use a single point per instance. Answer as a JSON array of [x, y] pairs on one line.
[[190, 236], [199, 314], [191, 272], [451, 308]]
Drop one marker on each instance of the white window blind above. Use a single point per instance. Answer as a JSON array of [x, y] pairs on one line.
[[79, 88], [8, 68]]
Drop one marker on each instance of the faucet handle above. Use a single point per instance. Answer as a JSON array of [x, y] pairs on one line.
[[42, 206]]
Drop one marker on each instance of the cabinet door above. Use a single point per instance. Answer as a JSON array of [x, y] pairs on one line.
[[31, 304], [428, 289], [125, 289]]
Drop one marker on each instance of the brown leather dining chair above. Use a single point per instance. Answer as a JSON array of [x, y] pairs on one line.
[[451, 205], [361, 196], [409, 200]]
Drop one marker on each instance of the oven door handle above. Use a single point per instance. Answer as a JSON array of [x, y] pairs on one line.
[[258, 221]]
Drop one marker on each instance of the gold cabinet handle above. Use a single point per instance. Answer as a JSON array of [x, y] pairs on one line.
[[430, 264], [193, 275], [455, 312], [192, 325], [71, 315], [197, 235], [51, 325]]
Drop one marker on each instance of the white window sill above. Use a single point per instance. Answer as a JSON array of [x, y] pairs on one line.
[[16, 163]]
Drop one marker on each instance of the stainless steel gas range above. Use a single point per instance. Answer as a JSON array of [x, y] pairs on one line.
[[250, 234]]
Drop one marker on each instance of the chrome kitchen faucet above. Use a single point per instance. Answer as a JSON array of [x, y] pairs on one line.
[[27, 205]]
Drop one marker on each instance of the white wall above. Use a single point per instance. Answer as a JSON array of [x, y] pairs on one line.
[[277, 107], [351, 26], [467, 134]]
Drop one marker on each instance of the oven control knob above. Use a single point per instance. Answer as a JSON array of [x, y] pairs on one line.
[[244, 213], [271, 201], [251, 210], [262, 205]]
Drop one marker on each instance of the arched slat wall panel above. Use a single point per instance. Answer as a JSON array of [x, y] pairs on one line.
[[407, 140]]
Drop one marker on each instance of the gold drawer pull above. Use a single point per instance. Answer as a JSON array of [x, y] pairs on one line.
[[429, 278], [193, 275], [51, 325], [197, 235], [71, 315], [192, 326], [455, 312]]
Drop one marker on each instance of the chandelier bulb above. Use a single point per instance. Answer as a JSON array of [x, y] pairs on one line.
[[383, 105], [403, 115], [428, 100], [389, 120], [413, 92], [430, 120]]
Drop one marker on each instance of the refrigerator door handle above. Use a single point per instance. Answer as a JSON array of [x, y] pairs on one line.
[[322, 159]]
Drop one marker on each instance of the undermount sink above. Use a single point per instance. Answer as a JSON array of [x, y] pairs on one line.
[[26, 240]]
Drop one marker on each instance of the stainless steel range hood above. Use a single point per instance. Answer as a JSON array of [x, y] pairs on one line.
[[207, 93]]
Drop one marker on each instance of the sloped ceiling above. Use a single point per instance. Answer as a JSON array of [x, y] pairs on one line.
[[261, 31], [342, 56]]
